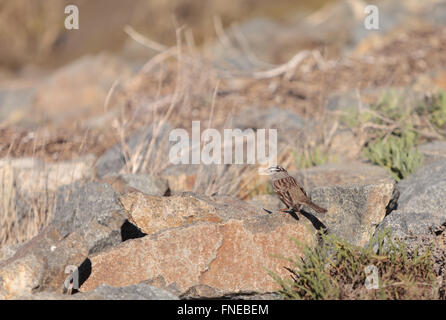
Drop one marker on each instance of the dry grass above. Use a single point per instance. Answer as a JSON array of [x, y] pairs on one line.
[[21, 218]]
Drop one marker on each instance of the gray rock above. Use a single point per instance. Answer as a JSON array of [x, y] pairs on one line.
[[15, 104], [8, 251], [343, 101], [266, 201], [433, 151], [140, 291], [351, 99], [290, 126], [422, 203], [91, 209], [341, 174], [437, 14], [40, 264], [274, 117], [144, 183], [113, 160], [356, 196]]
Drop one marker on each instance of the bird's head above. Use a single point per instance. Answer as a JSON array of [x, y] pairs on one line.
[[273, 170]]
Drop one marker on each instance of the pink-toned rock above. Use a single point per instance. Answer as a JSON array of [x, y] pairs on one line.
[[225, 254], [153, 214]]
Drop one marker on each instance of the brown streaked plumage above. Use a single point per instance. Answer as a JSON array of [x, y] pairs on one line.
[[289, 191]]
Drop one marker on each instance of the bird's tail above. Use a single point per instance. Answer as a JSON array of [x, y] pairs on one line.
[[316, 207]]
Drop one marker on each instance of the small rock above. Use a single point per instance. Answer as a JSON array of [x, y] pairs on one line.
[[144, 183], [433, 151], [422, 203], [275, 117]]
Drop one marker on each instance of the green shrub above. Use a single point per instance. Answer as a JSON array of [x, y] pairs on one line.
[[397, 153], [352, 118], [393, 106], [336, 269], [313, 157], [434, 108]]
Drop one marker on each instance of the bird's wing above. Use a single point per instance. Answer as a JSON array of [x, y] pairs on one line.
[[292, 184], [288, 191], [287, 199]]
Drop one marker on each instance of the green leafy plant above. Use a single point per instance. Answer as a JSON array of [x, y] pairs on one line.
[[393, 106], [353, 118], [390, 130], [336, 269], [312, 157], [434, 108], [397, 153]]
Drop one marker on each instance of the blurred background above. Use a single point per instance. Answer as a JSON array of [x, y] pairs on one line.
[[33, 31]]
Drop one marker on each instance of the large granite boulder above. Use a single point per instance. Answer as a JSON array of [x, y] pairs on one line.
[[197, 245]]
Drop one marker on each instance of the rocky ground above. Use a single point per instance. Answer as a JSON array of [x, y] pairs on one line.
[[85, 179]]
